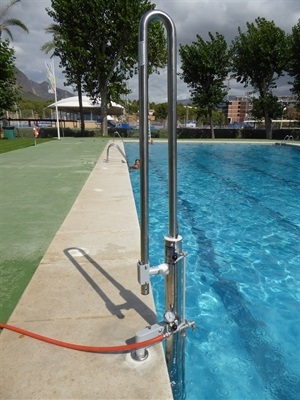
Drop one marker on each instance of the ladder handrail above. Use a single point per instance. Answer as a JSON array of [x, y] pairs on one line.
[[286, 138], [116, 133], [120, 150]]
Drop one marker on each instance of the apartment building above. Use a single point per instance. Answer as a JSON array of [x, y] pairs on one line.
[[237, 110]]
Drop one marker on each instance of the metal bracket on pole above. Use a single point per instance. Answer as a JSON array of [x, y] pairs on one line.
[[152, 331], [148, 333], [144, 272]]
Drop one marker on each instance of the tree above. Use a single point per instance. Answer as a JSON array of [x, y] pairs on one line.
[[270, 102], [39, 108], [259, 59], [133, 106], [294, 62], [9, 92], [205, 66], [100, 45], [49, 46], [161, 111], [5, 24]]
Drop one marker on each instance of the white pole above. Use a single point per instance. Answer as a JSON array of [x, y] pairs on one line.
[[149, 131]]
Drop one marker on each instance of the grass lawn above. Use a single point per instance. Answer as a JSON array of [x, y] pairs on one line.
[[7, 145]]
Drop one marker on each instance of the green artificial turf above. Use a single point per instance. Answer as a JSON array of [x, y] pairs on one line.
[[7, 145]]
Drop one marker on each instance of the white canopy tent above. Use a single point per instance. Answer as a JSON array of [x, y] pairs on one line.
[[71, 104]]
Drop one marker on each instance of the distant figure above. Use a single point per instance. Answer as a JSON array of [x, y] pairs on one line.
[[136, 164], [35, 131]]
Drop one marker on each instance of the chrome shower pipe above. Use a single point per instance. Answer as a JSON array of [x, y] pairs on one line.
[[172, 124], [174, 256]]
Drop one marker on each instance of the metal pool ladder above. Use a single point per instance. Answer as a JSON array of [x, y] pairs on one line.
[[116, 133], [287, 138], [120, 150]]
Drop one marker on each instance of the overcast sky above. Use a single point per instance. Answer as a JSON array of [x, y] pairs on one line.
[[191, 17]]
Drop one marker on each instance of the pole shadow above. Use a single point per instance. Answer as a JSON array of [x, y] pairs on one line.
[[131, 301]]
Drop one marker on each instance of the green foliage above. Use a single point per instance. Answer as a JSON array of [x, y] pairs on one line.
[[38, 107], [268, 102], [259, 55], [48, 47], [181, 111], [161, 111], [9, 93], [205, 65], [259, 59], [186, 112], [294, 61], [218, 118], [152, 105], [133, 107], [157, 48], [97, 42], [6, 23]]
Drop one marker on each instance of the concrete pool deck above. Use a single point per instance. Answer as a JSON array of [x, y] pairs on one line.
[[85, 291]]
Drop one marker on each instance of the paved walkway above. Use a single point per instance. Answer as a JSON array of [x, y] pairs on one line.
[[85, 291]]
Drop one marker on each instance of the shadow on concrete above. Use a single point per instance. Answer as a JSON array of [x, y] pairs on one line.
[[131, 300]]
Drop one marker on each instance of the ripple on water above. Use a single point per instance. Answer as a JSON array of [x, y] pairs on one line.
[[238, 227]]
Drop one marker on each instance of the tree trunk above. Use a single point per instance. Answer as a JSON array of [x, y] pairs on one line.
[[103, 95], [268, 125], [82, 125], [212, 129]]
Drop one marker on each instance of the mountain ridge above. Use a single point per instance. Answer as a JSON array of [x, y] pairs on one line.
[[38, 91]]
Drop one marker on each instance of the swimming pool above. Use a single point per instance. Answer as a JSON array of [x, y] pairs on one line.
[[239, 216]]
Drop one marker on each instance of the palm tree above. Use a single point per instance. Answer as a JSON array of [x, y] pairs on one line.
[[5, 24], [53, 29]]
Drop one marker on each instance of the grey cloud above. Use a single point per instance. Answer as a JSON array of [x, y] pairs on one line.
[[190, 18]]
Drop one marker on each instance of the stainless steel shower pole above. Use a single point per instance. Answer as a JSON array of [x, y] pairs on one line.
[[174, 280], [144, 154], [143, 122]]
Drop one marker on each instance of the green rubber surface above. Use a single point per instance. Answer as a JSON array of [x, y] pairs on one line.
[[38, 186]]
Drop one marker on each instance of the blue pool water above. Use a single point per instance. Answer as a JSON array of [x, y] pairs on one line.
[[239, 216]]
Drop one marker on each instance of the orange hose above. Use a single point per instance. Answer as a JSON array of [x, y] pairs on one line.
[[92, 349]]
